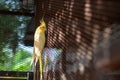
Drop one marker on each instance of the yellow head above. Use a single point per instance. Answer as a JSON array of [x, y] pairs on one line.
[[42, 26]]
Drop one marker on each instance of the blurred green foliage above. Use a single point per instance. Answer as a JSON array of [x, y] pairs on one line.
[[12, 30], [20, 62]]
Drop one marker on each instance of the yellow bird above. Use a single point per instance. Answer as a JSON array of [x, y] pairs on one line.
[[39, 42]]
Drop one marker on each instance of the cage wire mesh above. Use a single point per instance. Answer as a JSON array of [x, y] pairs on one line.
[[85, 31]]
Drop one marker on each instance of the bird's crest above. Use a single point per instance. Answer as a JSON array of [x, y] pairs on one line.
[[42, 22]]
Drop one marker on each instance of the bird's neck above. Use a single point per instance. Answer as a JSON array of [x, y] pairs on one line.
[[42, 32]]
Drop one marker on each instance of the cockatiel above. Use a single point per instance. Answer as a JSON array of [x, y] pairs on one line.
[[39, 42]]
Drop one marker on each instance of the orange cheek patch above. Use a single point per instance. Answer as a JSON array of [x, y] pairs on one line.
[[42, 28]]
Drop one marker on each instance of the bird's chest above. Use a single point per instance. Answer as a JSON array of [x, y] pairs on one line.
[[39, 36]]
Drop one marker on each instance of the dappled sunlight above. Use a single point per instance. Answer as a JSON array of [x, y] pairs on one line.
[[95, 35], [78, 37], [87, 11]]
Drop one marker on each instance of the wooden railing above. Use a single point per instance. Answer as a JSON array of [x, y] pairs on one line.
[[14, 75]]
